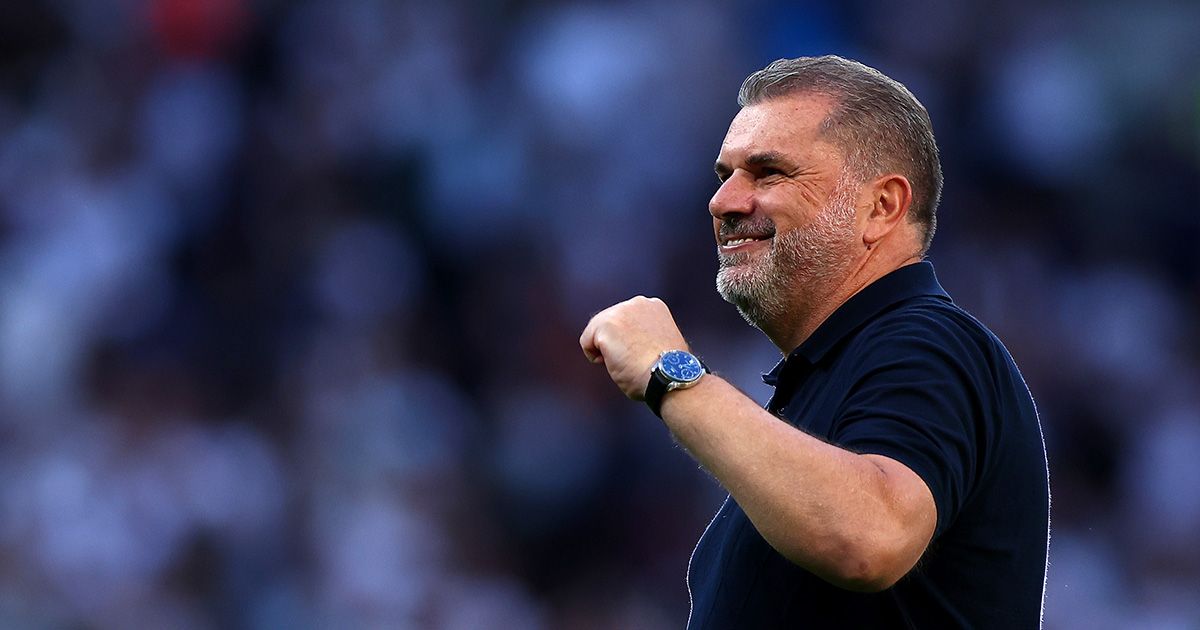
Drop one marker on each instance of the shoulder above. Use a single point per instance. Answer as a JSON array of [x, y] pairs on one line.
[[932, 324]]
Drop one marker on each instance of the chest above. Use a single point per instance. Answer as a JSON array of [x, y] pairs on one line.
[[811, 397]]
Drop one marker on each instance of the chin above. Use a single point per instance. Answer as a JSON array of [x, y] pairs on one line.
[[750, 293], [738, 284]]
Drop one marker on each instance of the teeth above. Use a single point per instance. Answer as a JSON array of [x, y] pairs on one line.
[[738, 241]]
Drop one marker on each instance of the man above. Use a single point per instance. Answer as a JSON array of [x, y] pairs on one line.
[[897, 477]]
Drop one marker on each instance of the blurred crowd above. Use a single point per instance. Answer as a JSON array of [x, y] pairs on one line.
[[290, 295]]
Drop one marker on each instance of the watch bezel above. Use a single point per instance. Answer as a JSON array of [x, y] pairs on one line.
[[671, 370]]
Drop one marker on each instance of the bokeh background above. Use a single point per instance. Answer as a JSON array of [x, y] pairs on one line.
[[290, 295]]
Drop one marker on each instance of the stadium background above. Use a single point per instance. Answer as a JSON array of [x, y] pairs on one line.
[[290, 294]]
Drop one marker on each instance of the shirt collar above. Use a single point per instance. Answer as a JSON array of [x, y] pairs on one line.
[[906, 282]]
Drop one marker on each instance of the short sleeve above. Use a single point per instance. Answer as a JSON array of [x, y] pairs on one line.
[[915, 399]]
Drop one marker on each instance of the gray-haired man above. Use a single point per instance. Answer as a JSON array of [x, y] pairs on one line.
[[897, 477]]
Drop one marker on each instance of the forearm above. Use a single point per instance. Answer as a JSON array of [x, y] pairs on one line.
[[833, 512]]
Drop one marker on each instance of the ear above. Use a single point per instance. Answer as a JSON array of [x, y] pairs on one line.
[[890, 197]]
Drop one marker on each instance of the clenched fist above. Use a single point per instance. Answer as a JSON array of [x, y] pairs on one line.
[[628, 338]]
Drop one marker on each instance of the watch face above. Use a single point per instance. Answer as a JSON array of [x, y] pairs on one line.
[[678, 365]]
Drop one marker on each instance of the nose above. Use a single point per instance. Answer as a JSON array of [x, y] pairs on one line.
[[735, 196]]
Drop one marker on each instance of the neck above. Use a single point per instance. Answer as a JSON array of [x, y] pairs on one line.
[[809, 307]]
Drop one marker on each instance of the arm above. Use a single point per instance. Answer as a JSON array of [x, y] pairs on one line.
[[858, 521]]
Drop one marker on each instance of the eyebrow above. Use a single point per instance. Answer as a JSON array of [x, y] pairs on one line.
[[763, 158]]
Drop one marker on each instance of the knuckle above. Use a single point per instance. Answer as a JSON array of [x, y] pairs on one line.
[[646, 300]]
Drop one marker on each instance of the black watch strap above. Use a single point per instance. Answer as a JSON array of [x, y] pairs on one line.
[[655, 390]]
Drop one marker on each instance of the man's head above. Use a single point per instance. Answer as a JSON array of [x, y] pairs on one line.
[[877, 123], [826, 157]]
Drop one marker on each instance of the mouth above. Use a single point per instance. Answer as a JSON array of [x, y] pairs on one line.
[[729, 245], [738, 234]]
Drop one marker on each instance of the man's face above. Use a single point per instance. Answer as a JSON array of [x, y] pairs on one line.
[[784, 216]]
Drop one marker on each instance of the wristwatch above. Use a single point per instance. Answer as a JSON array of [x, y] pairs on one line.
[[675, 369]]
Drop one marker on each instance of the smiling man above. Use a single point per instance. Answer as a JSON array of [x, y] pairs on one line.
[[897, 477]]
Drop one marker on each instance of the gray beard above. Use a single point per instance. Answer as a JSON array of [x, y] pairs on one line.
[[801, 264]]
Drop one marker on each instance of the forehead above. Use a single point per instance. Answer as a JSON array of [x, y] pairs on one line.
[[787, 124]]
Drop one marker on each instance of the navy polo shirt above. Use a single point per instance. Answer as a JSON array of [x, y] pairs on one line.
[[899, 370]]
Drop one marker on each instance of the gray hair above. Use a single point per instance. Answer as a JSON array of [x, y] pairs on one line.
[[876, 121]]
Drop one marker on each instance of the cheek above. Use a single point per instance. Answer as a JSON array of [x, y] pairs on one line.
[[788, 209], [807, 194]]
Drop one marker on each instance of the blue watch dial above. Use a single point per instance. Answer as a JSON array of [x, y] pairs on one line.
[[678, 365]]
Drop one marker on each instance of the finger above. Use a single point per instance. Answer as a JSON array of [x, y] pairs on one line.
[[594, 351], [593, 354], [590, 351], [587, 341]]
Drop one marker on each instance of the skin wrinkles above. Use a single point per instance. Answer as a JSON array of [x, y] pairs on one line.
[[773, 168]]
